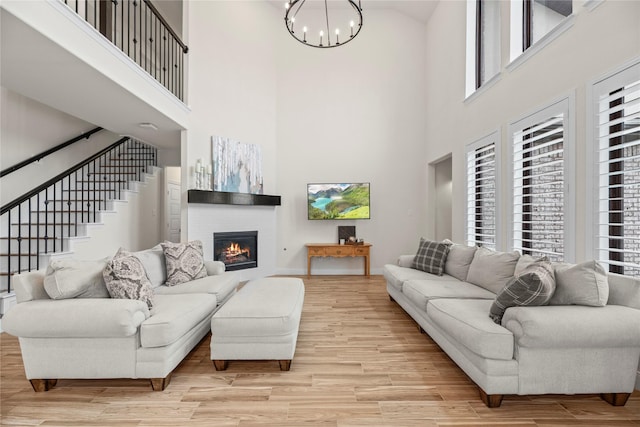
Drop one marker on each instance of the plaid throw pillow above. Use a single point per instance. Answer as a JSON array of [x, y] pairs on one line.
[[533, 286], [431, 257]]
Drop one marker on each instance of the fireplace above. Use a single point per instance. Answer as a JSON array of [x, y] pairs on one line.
[[238, 250]]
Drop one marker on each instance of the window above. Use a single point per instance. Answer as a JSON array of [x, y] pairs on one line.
[[483, 42], [482, 183], [540, 207], [532, 20], [617, 158]]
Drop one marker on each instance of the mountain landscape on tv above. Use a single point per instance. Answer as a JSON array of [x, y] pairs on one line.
[[338, 201]]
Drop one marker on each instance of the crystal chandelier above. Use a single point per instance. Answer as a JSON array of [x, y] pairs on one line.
[[333, 24]]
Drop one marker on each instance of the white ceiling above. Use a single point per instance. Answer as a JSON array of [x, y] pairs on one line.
[[417, 9]]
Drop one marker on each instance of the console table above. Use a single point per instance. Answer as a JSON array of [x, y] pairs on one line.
[[338, 251]]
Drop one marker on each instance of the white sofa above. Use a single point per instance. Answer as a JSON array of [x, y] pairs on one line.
[[113, 338], [561, 349]]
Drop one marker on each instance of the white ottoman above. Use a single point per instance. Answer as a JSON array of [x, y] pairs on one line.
[[260, 322]]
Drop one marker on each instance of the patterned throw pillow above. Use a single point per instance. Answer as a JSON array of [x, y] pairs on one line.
[[185, 262], [126, 278], [533, 286], [431, 257]]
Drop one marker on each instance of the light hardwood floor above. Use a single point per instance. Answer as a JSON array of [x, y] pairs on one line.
[[360, 361]]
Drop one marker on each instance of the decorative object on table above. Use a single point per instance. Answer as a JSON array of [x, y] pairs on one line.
[[237, 166], [346, 231], [302, 18]]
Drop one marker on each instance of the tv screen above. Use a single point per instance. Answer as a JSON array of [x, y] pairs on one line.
[[338, 201]]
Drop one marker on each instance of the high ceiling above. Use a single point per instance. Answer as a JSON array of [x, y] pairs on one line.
[[418, 9]]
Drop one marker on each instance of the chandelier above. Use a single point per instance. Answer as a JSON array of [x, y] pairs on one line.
[[328, 23]]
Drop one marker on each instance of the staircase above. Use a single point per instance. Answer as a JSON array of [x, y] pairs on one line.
[[42, 224]]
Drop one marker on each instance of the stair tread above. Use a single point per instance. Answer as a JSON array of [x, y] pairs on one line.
[[20, 254], [33, 238]]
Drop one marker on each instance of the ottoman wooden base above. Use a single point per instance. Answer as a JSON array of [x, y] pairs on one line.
[[221, 365], [260, 322]]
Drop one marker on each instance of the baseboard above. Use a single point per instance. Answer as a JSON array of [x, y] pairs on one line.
[[638, 380], [328, 272]]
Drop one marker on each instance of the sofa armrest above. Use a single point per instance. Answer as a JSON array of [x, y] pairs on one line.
[[572, 326], [406, 260], [214, 267], [76, 318]]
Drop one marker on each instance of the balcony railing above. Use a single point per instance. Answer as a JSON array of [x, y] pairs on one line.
[[138, 29]]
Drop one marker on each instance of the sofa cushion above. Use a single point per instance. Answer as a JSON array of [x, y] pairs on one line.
[[184, 262], [431, 257], [420, 292], [458, 260], [175, 315], [396, 275], [126, 279], [534, 286], [154, 264], [581, 284], [492, 270], [221, 286], [69, 278], [466, 321]]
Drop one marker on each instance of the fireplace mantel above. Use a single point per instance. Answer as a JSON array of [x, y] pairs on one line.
[[226, 198]]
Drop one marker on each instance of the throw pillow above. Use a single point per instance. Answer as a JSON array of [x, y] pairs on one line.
[[68, 278], [581, 284], [431, 257], [534, 286], [185, 262], [154, 264], [458, 260], [126, 279], [492, 270], [524, 261]]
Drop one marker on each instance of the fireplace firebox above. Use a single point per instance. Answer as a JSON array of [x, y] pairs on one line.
[[238, 250]]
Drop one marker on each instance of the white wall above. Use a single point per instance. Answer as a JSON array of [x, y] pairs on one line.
[[232, 81], [581, 54], [28, 128], [355, 113]]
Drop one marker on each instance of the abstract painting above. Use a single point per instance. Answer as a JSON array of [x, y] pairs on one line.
[[237, 166]]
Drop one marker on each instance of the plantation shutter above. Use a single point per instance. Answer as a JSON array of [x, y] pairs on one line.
[[618, 168], [538, 188], [481, 195]]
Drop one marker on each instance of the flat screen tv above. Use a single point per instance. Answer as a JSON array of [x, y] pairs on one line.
[[338, 201]]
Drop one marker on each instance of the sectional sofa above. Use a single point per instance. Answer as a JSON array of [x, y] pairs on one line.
[[563, 347], [100, 337]]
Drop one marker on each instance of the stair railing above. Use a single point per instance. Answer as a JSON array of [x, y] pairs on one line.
[[45, 153], [138, 29], [38, 221]]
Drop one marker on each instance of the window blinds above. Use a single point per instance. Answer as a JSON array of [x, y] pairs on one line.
[[481, 195], [618, 169], [538, 188]]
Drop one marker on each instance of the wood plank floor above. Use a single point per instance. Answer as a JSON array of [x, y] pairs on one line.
[[360, 361]]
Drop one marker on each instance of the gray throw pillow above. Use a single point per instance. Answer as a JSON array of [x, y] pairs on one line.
[[185, 262], [534, 286], [492, 270], [126, 279], [431, 257], [581, 284], [458, 260], [154, 264], [68, 278]]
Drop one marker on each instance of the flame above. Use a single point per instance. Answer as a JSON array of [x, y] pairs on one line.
[[234, 249]]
